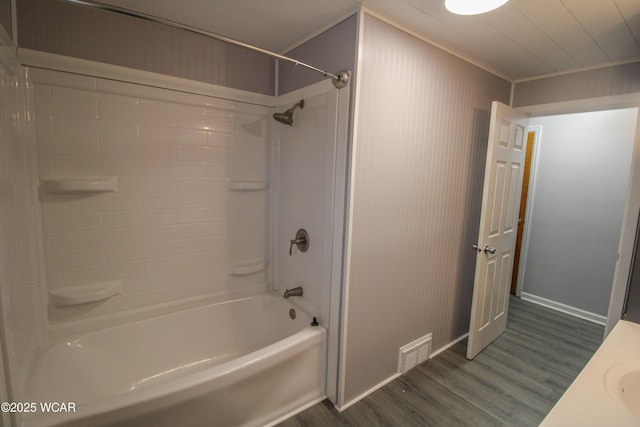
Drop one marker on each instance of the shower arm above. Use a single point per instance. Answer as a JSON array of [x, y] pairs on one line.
[[339, 79]]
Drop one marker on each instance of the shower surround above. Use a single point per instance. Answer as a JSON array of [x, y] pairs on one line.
[[21, 262], [177, 228], [203, 189]]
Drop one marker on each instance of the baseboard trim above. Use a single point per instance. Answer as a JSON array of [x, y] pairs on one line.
[[448, 346], [393, 377], [367, 393], [567, 309]]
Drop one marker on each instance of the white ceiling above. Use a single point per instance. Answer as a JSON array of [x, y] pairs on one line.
[[521, 39]]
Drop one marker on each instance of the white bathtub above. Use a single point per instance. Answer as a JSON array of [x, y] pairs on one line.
[[243, 362]]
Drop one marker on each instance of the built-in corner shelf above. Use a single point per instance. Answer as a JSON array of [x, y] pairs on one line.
[[79, 184], [248, 267], [240, 185], [94, 292]]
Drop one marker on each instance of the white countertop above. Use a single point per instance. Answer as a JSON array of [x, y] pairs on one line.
[[586, 402]]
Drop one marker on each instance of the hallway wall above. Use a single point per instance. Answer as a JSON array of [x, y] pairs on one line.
[[577, 203]]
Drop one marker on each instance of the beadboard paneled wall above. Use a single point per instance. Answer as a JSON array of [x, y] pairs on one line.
[[617, 80], [175, 230], [20, 229], [81, 32], [422, 121]]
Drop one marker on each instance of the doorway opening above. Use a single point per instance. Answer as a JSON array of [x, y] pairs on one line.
[[577, 202], [490, 294], [524, 196]]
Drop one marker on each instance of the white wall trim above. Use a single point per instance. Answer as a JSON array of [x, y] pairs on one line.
[[32, 58], [368, 392], [340, 192], [628, 235], [396, 375], [348, 220], [567, 309]]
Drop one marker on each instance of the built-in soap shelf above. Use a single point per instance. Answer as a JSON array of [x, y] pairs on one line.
[[79, 184], [242, 185], [248, 267], [94, 292]]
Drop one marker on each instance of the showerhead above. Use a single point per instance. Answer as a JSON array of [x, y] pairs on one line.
[[287, 117]]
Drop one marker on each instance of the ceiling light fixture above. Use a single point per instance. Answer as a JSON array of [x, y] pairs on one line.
[[472, 7]]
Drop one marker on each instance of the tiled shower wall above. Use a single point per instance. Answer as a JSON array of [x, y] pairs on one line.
[[20, 231], [175, 230]]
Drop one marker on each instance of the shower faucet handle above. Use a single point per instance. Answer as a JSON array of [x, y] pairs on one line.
[[301, 241]]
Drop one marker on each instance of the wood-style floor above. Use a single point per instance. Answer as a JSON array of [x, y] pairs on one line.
[[513, 382]]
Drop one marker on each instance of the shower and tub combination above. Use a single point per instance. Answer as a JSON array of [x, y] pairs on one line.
[[251, 359], [261, 363], [153, 314]]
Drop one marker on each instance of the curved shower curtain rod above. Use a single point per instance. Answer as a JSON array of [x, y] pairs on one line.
[[339, 79]]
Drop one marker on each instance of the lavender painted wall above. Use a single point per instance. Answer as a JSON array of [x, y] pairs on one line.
[[81, 32], [616, 80], [333, 50]]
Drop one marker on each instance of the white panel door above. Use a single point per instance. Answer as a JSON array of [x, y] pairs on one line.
[[498, 227]]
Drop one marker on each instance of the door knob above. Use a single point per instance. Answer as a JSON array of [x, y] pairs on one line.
[[490, 249], [476, 247]]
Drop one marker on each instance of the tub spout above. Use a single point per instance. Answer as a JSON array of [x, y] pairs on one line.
[[295, 292]]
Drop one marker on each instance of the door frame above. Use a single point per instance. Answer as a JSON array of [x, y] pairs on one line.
[[632, 204], [524, 246]]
